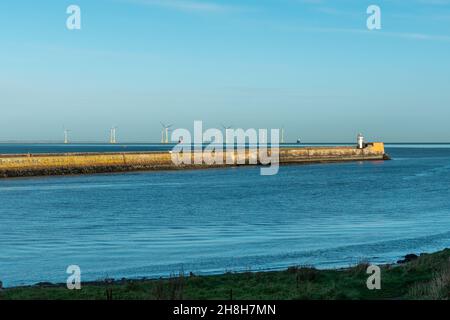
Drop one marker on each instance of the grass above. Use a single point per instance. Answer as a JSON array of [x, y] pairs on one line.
[[427, 277]]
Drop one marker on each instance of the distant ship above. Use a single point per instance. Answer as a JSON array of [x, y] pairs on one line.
[[299, 141]]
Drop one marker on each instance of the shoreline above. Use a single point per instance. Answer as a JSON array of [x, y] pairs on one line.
[[175, 274], [416, 276]]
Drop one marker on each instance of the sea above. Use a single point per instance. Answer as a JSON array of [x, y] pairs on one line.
[[158, 224]]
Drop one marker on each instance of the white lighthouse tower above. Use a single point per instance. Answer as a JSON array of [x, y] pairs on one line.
[[360, 140]]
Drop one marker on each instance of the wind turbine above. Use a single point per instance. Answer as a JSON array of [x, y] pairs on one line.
[[66, 136], [282, 135], [165, 133], [225, 128], [112, 135]]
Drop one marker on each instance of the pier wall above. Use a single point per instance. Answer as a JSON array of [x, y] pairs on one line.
[[78, 163]]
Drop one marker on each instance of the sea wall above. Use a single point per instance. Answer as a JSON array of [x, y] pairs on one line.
[[79, 163]]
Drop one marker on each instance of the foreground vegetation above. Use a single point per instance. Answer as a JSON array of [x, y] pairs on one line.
[[426, 277]]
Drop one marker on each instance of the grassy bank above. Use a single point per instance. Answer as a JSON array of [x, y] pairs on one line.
[[427, 277]]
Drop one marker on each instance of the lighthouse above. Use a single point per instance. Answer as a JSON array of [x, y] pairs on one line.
[[360, 141]]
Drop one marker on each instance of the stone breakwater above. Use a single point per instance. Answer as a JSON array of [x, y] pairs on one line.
[[22, 165]]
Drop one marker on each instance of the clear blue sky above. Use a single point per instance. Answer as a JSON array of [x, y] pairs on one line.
[[310, 66]]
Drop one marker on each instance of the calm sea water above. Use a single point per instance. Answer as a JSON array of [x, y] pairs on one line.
[[157, 223], [11, 148]]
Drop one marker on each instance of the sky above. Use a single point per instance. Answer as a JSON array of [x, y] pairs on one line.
[[309, 66]]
